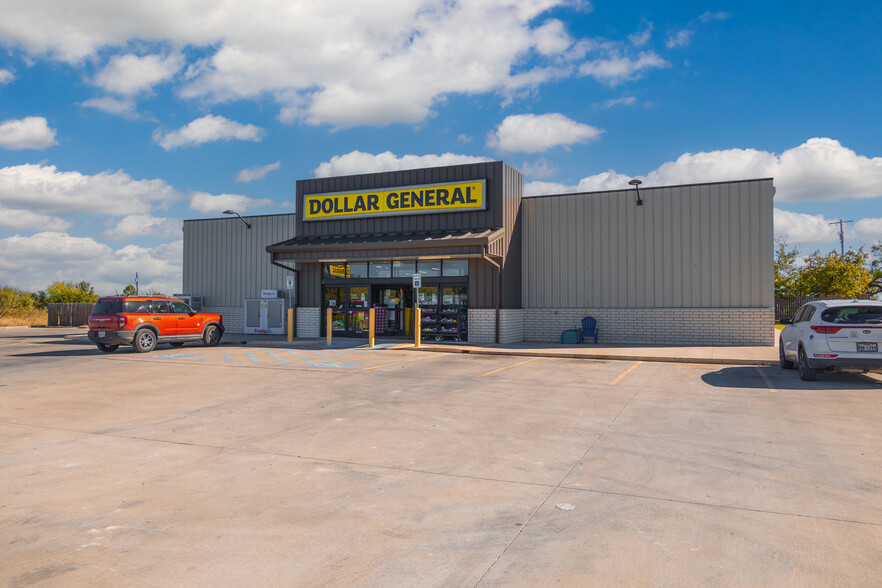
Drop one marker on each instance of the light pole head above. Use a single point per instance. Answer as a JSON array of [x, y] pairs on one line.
[[239, 215], [636, 183]]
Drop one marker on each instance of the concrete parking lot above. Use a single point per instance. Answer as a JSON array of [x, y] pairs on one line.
[[252, 465]]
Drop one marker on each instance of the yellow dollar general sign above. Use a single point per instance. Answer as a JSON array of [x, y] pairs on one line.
[[340, 270], [425, 199]]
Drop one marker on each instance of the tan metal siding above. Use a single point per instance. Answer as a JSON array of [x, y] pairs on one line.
[[707, 245], [226, 262]]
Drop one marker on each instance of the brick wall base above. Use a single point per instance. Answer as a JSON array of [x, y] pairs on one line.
[[482, 325], [234, 317], [309, 321], [658, 326]]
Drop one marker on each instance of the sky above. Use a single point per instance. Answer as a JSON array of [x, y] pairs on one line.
[[120, 119]]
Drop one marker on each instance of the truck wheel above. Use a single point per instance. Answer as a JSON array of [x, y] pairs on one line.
[[145, 341], [107, 348], [211, 336]]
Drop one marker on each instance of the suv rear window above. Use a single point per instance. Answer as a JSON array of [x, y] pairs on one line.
[[120, 306], [854, 315]]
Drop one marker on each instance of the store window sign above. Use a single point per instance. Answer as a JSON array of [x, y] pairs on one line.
[[341, 270], [425, 199]]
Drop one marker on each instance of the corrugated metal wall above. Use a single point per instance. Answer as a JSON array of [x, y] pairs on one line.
[[226, 262], [705, 245]]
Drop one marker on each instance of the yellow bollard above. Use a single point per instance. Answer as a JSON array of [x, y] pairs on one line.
[[290, 325], [372, 321], [417, 329], [330, 325]]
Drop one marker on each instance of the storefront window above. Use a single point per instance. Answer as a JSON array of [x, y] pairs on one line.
[[345, 270], [455, 267], [380, 269], [403, 269], [358, 270], [455, 296], [429, 267]]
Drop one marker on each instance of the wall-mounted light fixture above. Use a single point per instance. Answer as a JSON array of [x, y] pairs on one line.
[[636, 183], [239, 215]]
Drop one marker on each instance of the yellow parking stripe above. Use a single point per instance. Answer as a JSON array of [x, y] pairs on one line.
[[625, 373], [388, 364], [507, 367]]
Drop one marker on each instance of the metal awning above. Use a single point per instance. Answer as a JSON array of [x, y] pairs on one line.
[[399, 246]]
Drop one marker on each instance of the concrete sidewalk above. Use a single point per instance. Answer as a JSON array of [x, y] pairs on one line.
[[730, 355]]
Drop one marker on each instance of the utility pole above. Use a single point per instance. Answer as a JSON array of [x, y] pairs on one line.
[[136, 283], [841, 234]]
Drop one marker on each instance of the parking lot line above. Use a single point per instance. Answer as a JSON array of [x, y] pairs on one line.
[[375, 367], [507, 367], [767, 381], [624, 373]]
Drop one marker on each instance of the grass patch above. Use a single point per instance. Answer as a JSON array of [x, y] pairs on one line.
[[38, 317]]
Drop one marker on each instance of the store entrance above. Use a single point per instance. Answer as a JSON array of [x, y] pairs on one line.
[[393, 307], [444, 310]]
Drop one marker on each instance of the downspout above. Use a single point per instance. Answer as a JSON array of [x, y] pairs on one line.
[[499, 299], [296, 285]]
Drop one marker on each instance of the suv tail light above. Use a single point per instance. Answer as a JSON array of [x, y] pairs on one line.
[[122, 322], [825, 330]]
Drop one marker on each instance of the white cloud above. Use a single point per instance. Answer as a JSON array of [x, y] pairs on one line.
[[42, 188], [26, 219], [211, 204], [552, 38], [711, 16], [803, 230], [642, 38], [120, 106], [335, 62], [681, 38], [23, 263], [813, 231], [131, 74], [869, 230], [357, 162], [625, 100], [31, 132], [530, 133], [140, 225], [256, 173], [541, 168], [6, 76], [820, 169], [615, 68], [207, 129]]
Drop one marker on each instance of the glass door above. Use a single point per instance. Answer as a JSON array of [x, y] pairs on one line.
[[359, 302], [335, 300]]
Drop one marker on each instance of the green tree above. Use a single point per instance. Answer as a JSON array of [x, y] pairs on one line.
[[14, 302], [875, 270], [786, 272], [129, 290], [846, 276], [70, 292]]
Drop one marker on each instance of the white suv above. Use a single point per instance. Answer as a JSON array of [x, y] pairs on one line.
[[834, 335]]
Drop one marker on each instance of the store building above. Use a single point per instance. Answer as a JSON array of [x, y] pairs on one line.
[[689, 265]]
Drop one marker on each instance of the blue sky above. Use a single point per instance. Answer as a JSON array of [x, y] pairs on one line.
[[119, 120]]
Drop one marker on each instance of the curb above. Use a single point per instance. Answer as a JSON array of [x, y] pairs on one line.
[[594, 356]]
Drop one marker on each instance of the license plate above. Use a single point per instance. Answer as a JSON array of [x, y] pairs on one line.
[[872, 347], [100, 333]]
